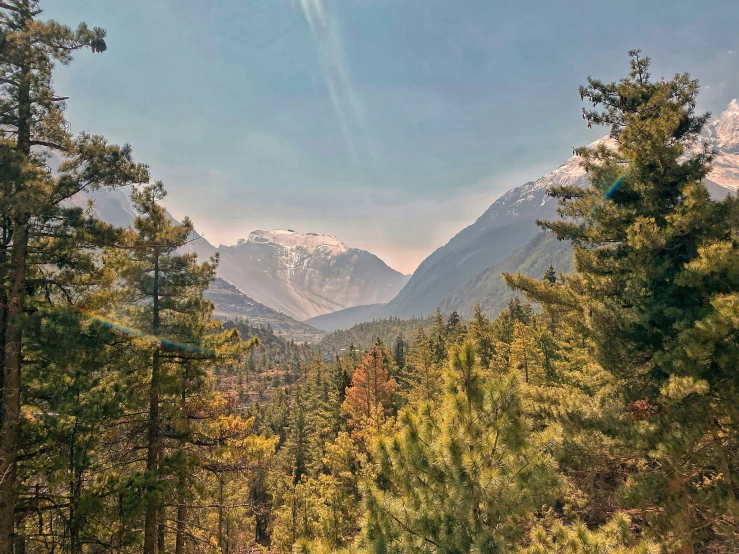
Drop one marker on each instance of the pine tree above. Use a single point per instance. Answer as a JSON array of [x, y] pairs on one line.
[[525, 357], [399, 352], [74, 395], [616, 536], [657, 260], [454, 328], [368, 401], [480, 332], [423, 374], [37, 227], [438, 337], [550, 276], [231, 457], [161, 296], [457, 477]]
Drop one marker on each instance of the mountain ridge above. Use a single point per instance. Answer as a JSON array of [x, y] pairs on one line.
[[301, 275], [232, 304], [508, 226]]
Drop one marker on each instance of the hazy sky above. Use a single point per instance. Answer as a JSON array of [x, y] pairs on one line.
[[391, 124]]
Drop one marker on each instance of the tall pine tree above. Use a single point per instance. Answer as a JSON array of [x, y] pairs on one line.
[[36, 225], [658, 281]]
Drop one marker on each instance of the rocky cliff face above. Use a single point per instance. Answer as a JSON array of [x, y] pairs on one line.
[[232, 304]]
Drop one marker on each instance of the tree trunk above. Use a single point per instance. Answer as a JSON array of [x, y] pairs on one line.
[[161, 531], [11, 408], [179, 547], [20, 540], [3, 300], [181, 492], [152, 459], [151, 535], [220, 513], [681, 521], [10, 411]]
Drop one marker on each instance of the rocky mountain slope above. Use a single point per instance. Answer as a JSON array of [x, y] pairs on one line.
[[488, 288], [232, 304], [508, 224], [306, 275], [343, 319], [302, 275]]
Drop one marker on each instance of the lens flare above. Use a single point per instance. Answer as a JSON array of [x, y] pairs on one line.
[[119, 326], [614, 187]]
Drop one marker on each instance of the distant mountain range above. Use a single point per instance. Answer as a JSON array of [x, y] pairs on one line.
[[317, 278], [301, 275], [466, 271], [305, 274]]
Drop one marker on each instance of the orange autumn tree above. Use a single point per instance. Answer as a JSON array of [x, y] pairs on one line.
[[368, 400]]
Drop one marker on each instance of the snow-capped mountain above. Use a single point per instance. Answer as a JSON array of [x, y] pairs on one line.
[[509, 224], [302, 275], [307, 274], [723, 136]]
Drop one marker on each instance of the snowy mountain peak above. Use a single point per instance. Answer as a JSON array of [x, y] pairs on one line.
[[723, 136], [726, 128], [306, 274], [571, 172], [732, 109], [287, 238]]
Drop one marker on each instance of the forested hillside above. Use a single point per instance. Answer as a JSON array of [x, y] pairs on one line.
[[133, 420], [362, 335], [488, 289]]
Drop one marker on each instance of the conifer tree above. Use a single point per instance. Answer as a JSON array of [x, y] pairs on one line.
[[423, 374], [161, 296], [480, 332], [458, 476], [75, 393], [37, 227], [550, 276], [399, 352], [438, 337], [368, 401], [616, 537], [657, 260]]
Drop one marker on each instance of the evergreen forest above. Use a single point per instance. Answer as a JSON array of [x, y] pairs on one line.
[[597, 413]]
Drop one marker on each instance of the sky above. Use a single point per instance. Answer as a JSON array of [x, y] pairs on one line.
[[390, 124]]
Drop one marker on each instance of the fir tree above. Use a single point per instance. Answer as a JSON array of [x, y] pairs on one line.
[[368, 401]]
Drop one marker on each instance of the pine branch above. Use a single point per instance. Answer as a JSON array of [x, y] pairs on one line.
[[18, 10], [47, 144]]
